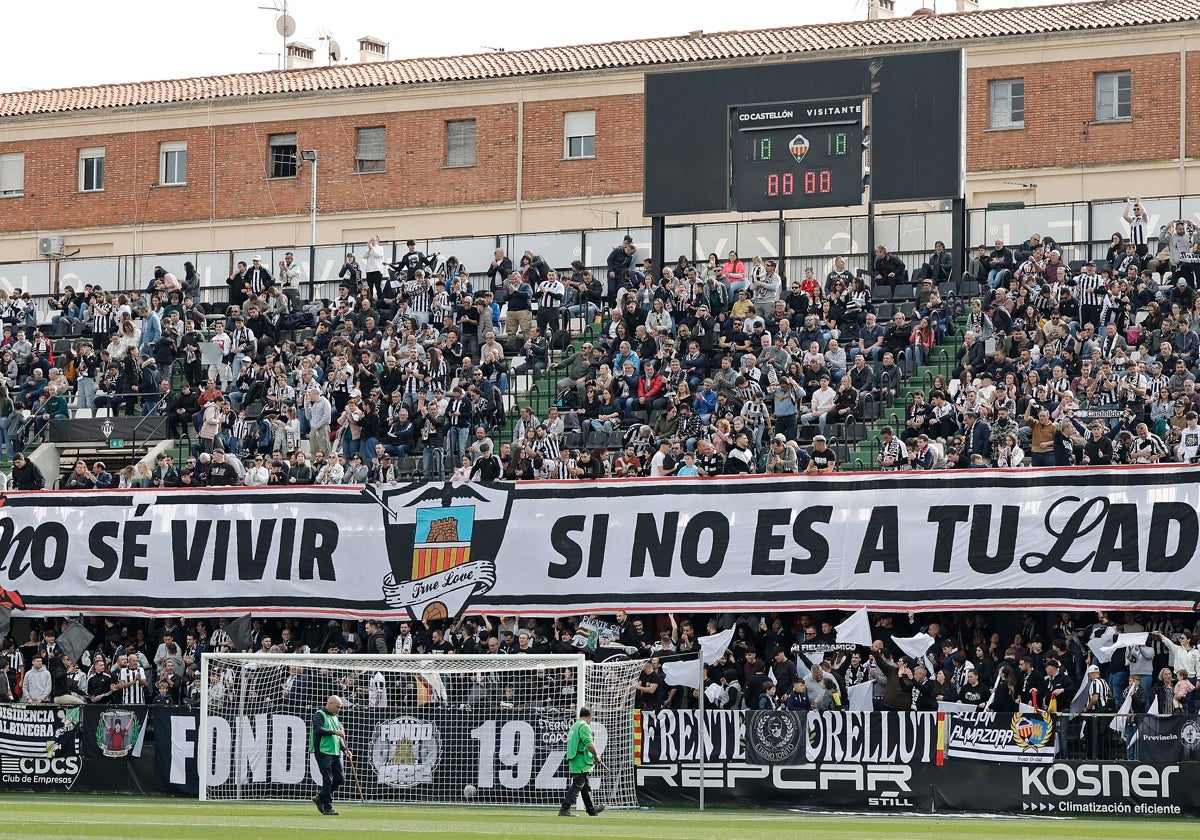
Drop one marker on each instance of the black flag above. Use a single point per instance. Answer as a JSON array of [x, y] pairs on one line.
[[239, 633], [75, 640], [5, 622]]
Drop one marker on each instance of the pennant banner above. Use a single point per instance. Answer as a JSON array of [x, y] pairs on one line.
[[1122, 538]]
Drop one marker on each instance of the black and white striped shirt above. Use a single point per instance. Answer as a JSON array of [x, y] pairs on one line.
[[135, 693], [548, 448], [1099, 688], [1137, 229], [419, 295]]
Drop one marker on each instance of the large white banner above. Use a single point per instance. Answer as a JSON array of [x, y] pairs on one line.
[[1034, 539]]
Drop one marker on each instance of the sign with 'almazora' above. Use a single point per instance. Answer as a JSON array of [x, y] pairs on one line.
[[1082, 538]]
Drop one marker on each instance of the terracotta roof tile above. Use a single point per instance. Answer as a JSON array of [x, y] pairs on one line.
[[645, 53]]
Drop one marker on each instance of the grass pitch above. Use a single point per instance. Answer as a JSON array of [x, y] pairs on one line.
[[53, 816]]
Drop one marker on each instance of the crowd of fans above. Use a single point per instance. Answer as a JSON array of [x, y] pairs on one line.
[[991, 661], [716, 368], [1059, 366], [419, 368]]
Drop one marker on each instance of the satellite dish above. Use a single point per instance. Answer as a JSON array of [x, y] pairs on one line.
[[285, 25], [335, 51]]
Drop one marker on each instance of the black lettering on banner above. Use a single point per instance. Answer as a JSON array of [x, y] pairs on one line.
[[318, 541], [1118, 540], [287, 545], [766, 541], [648, 542], [221, 549], [882, 541], [689, 559], [132, 549], [1077, 526], [28, 549], [596, 548], [1165, 514], [102, 551], [981, 534], [946, 517], [814, 542], [252, 557], [189, 558], [803, 535], [566, 547]]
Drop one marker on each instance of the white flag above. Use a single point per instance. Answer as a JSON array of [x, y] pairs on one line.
[[948, 706], [1080, 700], [714, 646], [914, 647], [1117, 724], [686, 673], [861, 697], [855, 630], [1125, 640], [1096, 646]]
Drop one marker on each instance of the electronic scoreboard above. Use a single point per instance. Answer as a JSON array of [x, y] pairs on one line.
[[796, 155]]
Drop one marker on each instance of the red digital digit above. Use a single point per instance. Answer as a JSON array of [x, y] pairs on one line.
[[773, 184], [789, 183], [810, 183], [826, 180]]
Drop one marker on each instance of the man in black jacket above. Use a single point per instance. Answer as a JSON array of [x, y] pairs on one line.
[[619, 261], [26, 475], [181, 408], [888, 269]]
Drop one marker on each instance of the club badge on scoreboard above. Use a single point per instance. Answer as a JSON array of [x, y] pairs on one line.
[[442, 543], [405, 751]]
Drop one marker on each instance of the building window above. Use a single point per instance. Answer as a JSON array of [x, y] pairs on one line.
[[1113, 96], [91, 170], [460, 143], [1007, 100], [12, 174], [172, 164], [579, 134], [281, 156], [372, 150]]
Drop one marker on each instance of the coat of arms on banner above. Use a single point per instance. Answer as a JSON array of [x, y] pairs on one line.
[[1032, 731], [117, 732], [442, 542]]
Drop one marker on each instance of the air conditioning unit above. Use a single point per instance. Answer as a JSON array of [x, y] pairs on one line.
[[51, 246]]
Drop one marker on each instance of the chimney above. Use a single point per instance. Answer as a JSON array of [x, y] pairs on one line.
[[371, 49], [881, 10], [299, 55], [967, 6]]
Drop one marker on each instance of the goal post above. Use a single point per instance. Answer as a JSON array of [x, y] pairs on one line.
[[488, 729]]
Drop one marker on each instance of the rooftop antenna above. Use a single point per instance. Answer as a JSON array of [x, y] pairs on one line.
[[285, 24], [335, 49]]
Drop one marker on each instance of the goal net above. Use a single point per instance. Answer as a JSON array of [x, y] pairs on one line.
[[436, 729]]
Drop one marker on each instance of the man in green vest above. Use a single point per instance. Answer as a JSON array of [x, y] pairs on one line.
[[328, 742], [581, 757]]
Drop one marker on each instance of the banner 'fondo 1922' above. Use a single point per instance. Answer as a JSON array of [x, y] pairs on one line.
[[1105, 538]]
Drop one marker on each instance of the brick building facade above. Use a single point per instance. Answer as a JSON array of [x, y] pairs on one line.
[[103, 166]]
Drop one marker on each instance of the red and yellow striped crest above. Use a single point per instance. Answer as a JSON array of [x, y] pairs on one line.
[[431, 559]]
